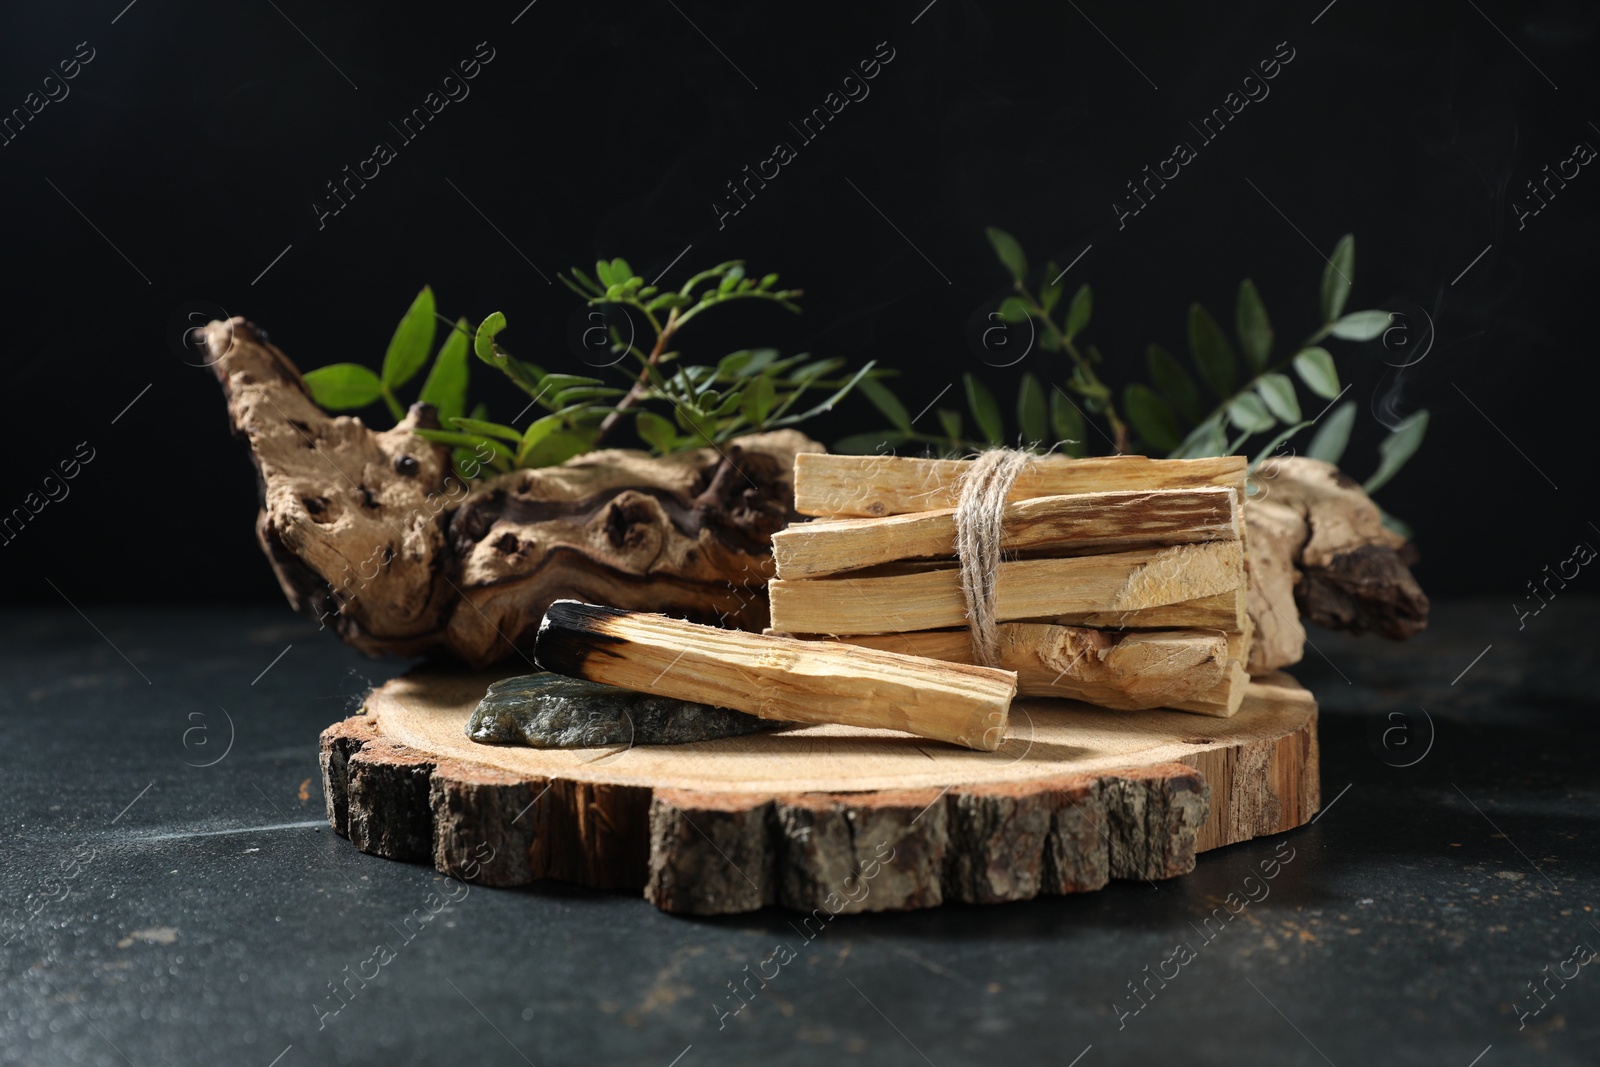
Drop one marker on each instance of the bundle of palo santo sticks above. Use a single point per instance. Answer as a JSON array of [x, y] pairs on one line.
[[1122, 582]]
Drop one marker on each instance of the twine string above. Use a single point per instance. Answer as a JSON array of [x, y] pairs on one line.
[[980, 512]]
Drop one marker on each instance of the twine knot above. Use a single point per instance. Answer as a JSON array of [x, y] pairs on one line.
[[980, 512]]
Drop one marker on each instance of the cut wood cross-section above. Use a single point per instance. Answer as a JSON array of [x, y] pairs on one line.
[[1075, 797]]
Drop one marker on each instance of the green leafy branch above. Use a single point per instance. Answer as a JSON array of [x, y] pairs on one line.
[[674, 406], [351, 386], [1169, 415], [746, 392]]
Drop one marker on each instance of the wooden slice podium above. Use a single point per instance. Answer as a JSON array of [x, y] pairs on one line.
[[823, 817]]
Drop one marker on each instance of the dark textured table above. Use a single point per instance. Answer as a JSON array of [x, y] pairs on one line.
[[173, 896]]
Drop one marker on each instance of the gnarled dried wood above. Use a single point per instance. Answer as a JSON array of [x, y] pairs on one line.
[[1318, 547], [374, 534], [825, 819]]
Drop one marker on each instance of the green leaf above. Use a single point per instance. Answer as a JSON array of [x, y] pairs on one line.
[[985, 412], [1173, 382], [1013, 309], [555, 384], [578, 393], [1272, 445], [483, 340], [466, 440], [1249, 414], [1151, 417], [602, 270], [1067, 423], [1207, 439], [344, 386], [1254, 329], [669, 300], [621, 273], [1337, 276], [1031, 414], [1328, 443], [557, 448], [887, 403], [1316, 369], [583, 285], [1398, 447], [1212, 352], [412, 342], [756, 403], [1361, 325], [484, 428], [1078, 311], [827, 405], [537, 431], [731, 279], [446, 385], [655, 431], [745, 363], [1278, 392], [1010, 253], [950, 421], [1050, 292]]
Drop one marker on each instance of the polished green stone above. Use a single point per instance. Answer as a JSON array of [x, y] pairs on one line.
[[552, 711]]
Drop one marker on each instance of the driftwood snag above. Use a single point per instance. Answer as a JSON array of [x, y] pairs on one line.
[[1318, 548], [835, 818], [373, 533]]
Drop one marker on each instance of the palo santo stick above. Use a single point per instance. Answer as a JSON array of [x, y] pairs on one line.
[[874, 486], [1061, 524], [1223, 611], [777, 677], [1116, 585], [1188, 669]]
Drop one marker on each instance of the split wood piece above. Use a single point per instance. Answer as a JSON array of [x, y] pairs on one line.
[[777, 677], [825, 817], [874, 486], [374, 534], [1117, 585], [1058, 525], [1318, 548], [1221, 611], [1191, 670]]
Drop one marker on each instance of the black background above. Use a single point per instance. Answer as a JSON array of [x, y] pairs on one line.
[[199, 136]]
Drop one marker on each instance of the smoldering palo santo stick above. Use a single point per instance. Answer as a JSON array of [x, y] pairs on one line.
[[777, 677]]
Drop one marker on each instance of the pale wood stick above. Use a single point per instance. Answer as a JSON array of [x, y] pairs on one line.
[[776, 677], [1117, 585], [1193, 670], [1227, 611], [1064, 525], [874, 486]]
